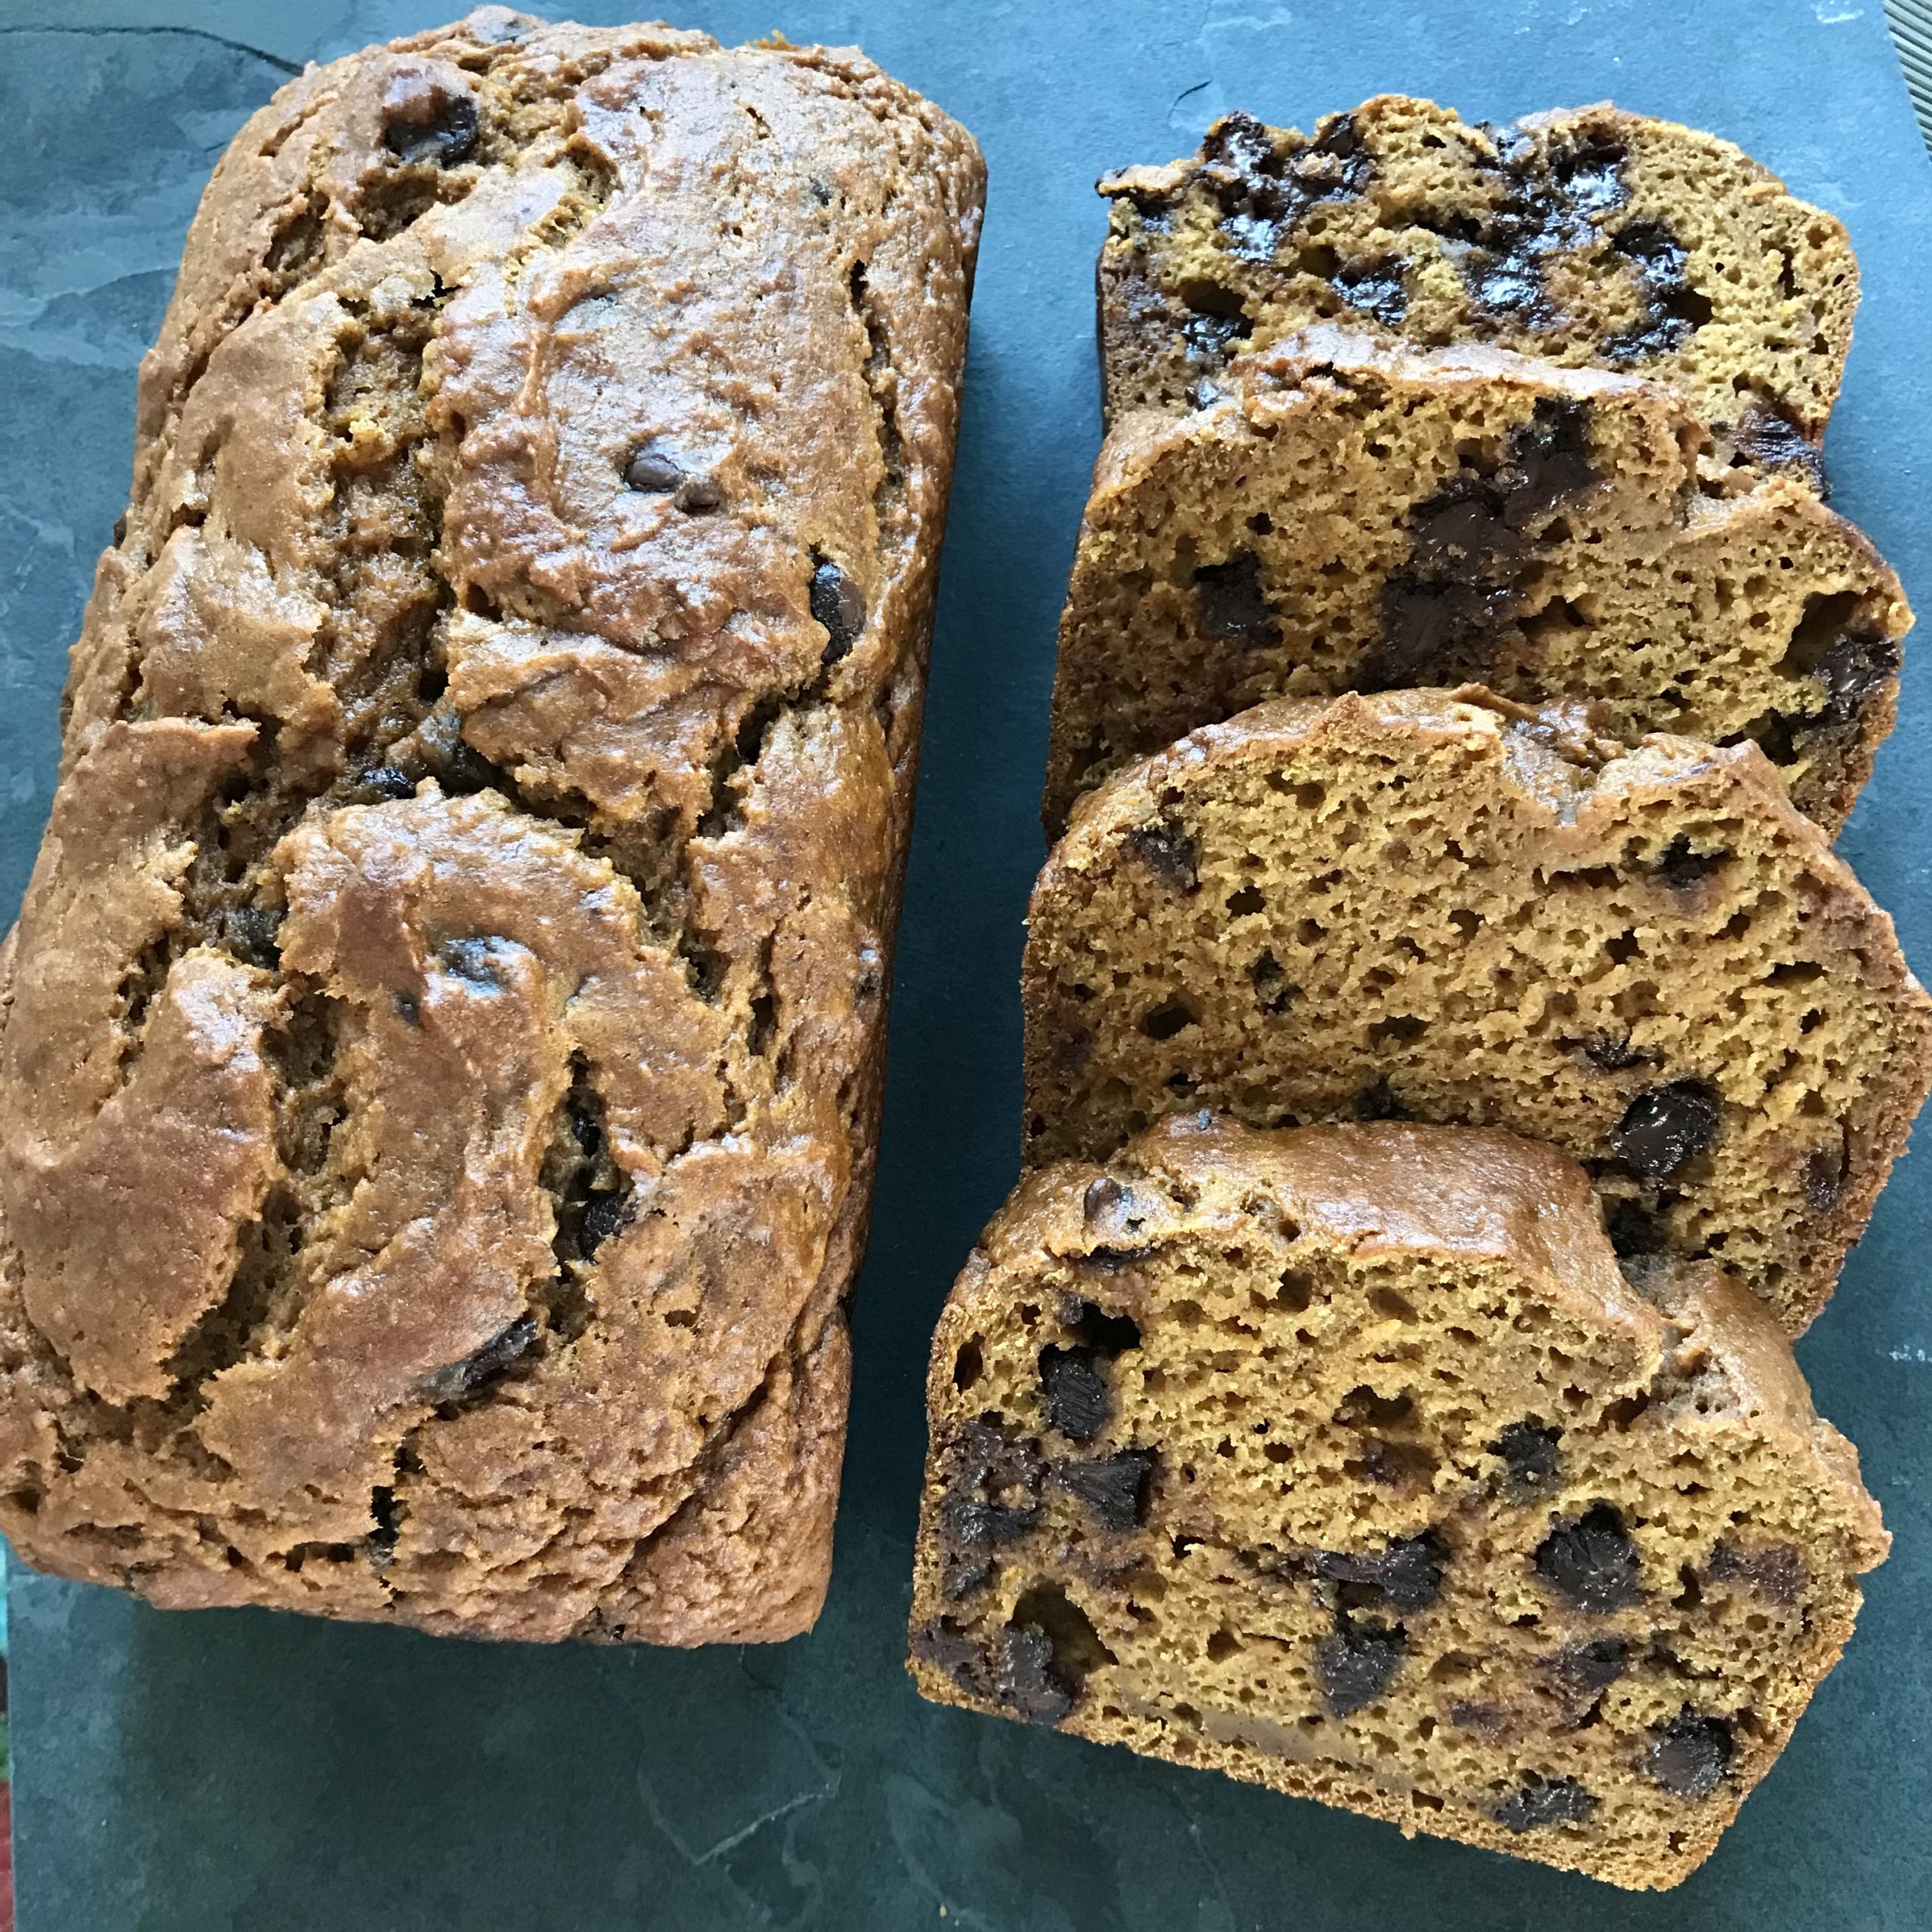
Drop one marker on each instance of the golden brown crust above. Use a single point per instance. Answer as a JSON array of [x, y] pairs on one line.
[[436, 1117], [1179, 1632], [1350, 516], [1584, 234], [1442, 904]]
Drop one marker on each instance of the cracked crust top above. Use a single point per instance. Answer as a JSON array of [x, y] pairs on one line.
[[436, 1108]]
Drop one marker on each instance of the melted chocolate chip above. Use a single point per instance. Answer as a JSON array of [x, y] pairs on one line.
[[1431, 631], [253, 935], [1690, 1755], [943, 1643], [381, 1541], [1113, 1260], [1231, 604], [993, 1488], [1549, 460], [1489, 1720], [471, 959], [1239, 153], [838, 604], [1673, 309], [1375, 288], [1167, 851], [1207, 336], [1529, 1453], [1824, 1176], [388, 781], [605, 1213], [1768, 438], [1545, 1801], [1077, 1403], [1634, 1231], [1112, 1489], [1592, 1563], [465, 1377], [963, 1578], [1609, 1054], [1859, 664], [1102, 1197], [1591, 175], [653, 469], [1680, 869], [1408, 1573], [1043, 1655], [1583, 1669], [1355, 1665], [432, 125], [1664, 1127], [1774, 1571]]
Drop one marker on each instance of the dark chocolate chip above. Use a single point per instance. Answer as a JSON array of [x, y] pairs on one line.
[[1511, 286], [1680, 868], [1077, 1403], [1232, 604], [1824, 1176], [1355, 1665], [1429, 628], [992, 1487], [1242, 146], [1379, 1102], [1529, 1453], [1375, 288], [604, 1214], [1112, 1489], [254, 934], [408, 1009], [837, 603], [464, 1377], [697, 494], [1673, 309], [1608, 1054], [1634, 1231], [1545, 1801], [381, 1541], [1460, 528], [1587, 1669], [1690, 1755], [1102, 1197], [1592, 1563], [471, 959], [1548, 460], [1207, 337], [1768, 438], [655, 470], [1045, 1654], [1592, 175], [1408, 1572], [1252, 238], [1166, 850], [437, 126], [960, 1580], [1774, 1571], [1116, 1260], [1272, 992], [1851, 670], [388, 781], [1489, 1720], [120, 530], [1664, 1127], [942, 1642]]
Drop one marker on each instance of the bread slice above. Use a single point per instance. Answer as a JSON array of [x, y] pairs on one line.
[[1440, 905], [1588, 235], [1344, 1460], [1350, 517]]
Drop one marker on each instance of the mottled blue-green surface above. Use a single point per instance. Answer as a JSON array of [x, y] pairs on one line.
[[245, 1771]]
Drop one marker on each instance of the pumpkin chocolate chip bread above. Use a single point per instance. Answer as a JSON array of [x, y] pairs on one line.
[[1438, 905], [437, 1100], [1348, 517], [1587, 234], [1344, 1460]]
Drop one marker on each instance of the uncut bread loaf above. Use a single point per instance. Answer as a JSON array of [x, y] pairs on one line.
[[1587, 234], [1441, 906], [1348, 517], [1346, 1461], [437, 1100]]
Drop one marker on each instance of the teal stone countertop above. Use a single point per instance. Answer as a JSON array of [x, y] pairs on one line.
[[194, 1773]]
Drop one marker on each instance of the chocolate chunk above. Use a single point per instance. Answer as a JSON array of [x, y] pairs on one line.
[[654, 469], [1231, 603], [1528, 1449], [1375, 288], [1166, 850], [1824, 1177], [1587, 1669], [1355, 1665], [465, 1377], [432, 124], [1549, 460], [1768, 438], [1690, 1755], [1024, 1678], [1239, 153], [1461, 528], [1855, 667], [943, 1643], [1430, 628], [1774, 1571], [961, 1579], [1112, 1489], [1077, 1402], [1115, 1260], [1592, 1563], [837, 603], [992, 1489], [1408, 1573], [1508, 286], [1664, 1127], [1681, 869], [1673, 309], [1545, 1801]]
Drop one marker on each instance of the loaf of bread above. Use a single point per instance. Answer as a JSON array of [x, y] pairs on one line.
[[1441, 907], [1585, 236], [1347, 517], [1345, 1460], [438, 1099]]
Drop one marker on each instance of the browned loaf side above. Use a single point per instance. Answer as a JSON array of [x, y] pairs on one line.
[[437, 1106], [1351, 518], [1440, 906], [1344, 1460], [1585, 234]]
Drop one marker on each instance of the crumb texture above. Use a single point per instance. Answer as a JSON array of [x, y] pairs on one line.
[[1346, 517], [437, 1095], [1585, 235], [1441, 907], [1344, 1460]]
